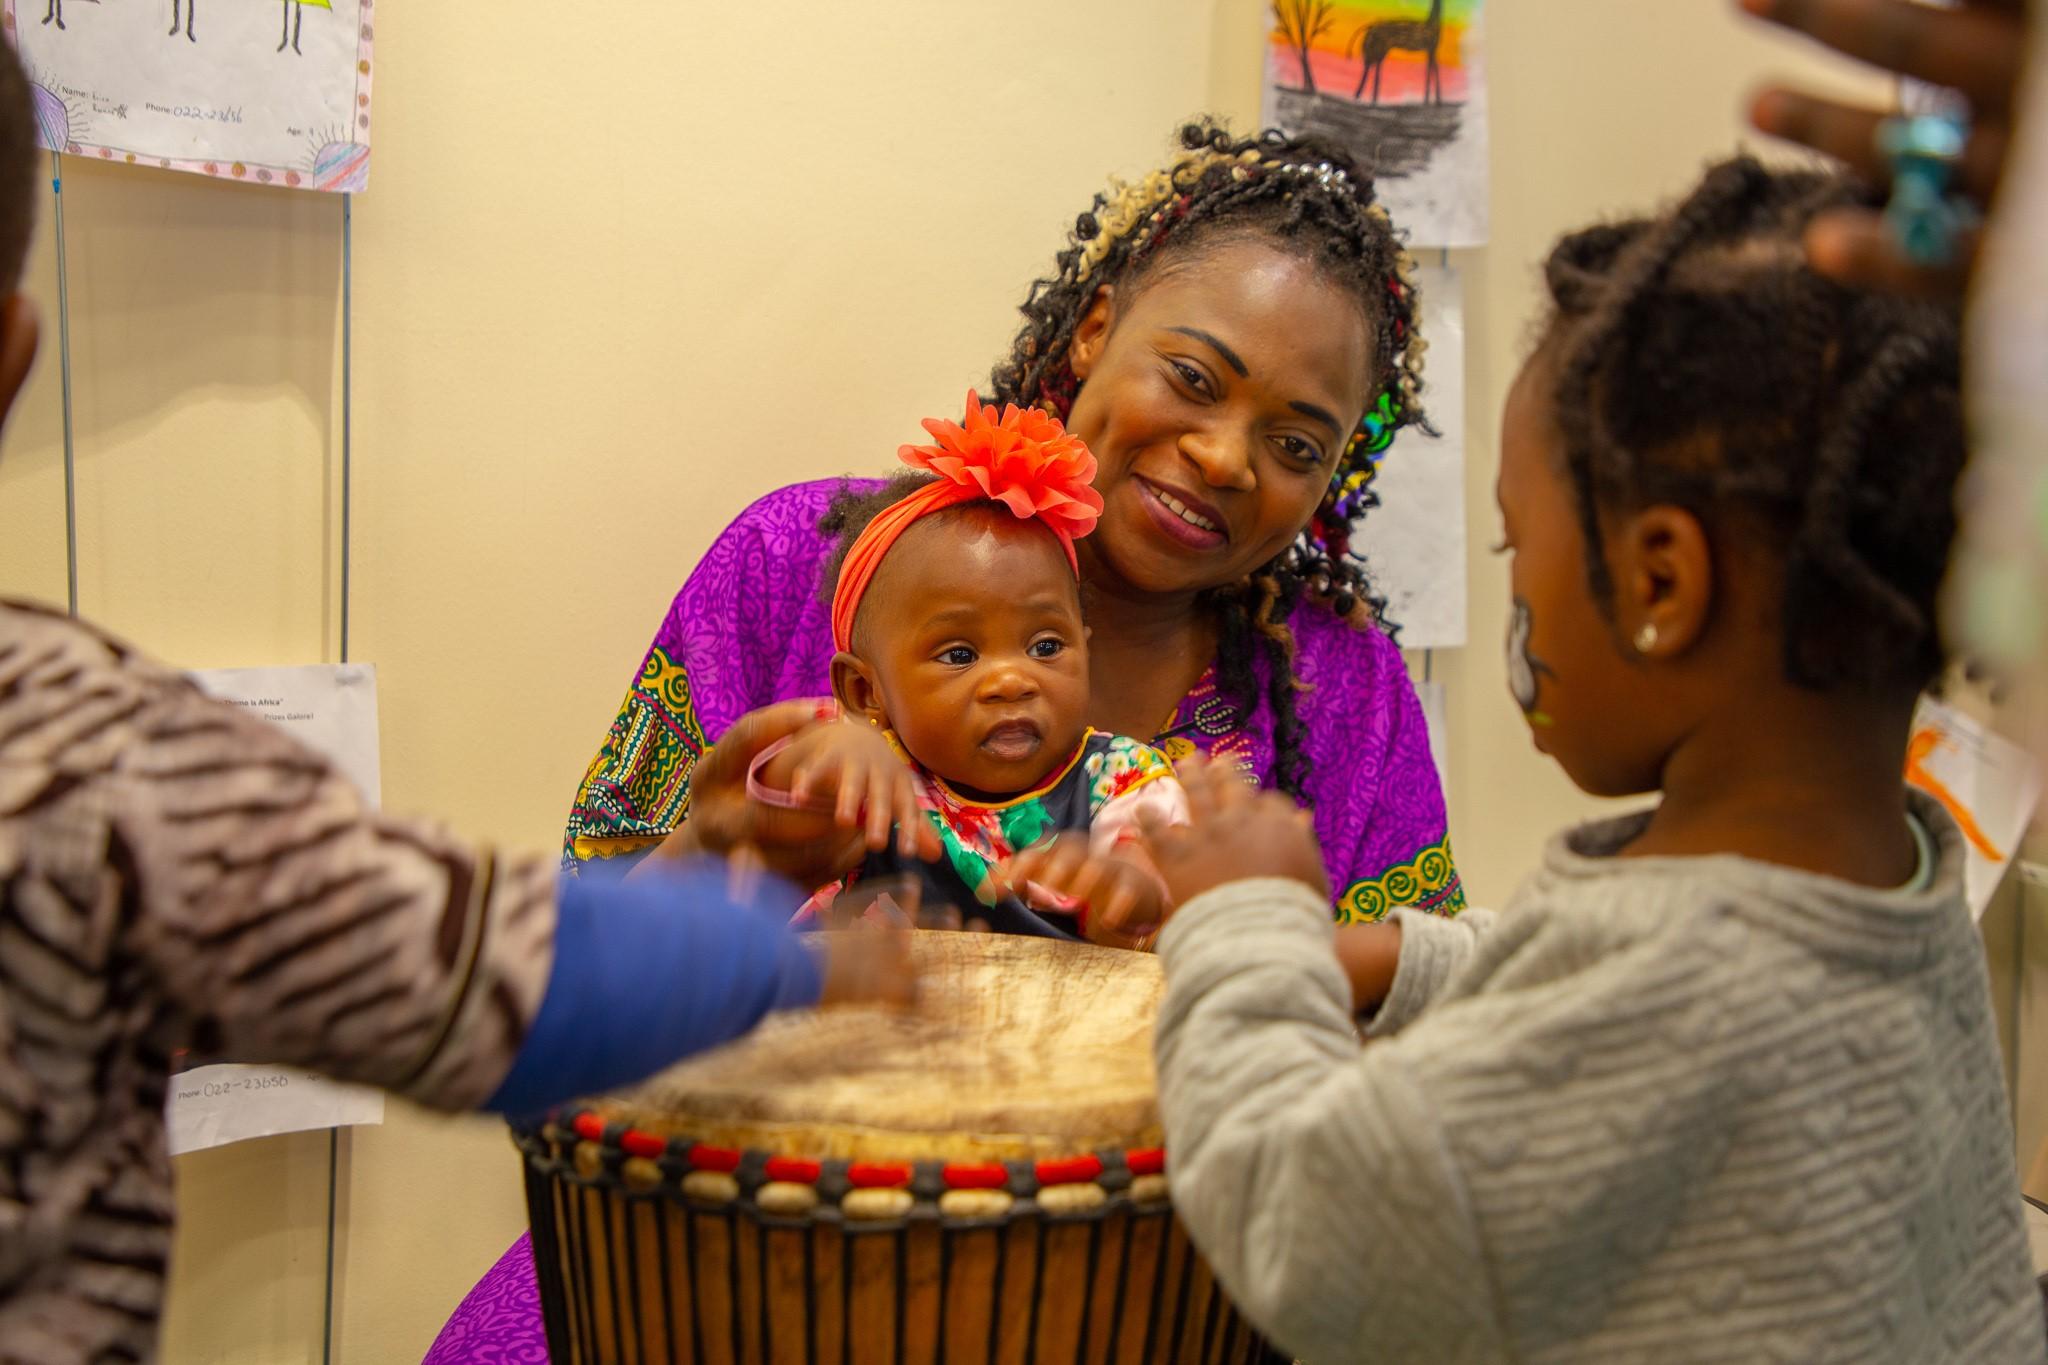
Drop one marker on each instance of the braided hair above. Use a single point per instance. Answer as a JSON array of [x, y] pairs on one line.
[[1701, 363], [1304, 199]]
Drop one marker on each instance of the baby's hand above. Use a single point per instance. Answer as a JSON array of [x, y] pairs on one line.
[[1123, 900], [1234, 833], [847, 767]]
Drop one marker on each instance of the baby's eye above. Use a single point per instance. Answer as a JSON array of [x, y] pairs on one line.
[[1047, 648], [959, 656]]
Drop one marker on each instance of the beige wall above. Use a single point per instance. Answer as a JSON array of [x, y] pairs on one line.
[[621, 269]]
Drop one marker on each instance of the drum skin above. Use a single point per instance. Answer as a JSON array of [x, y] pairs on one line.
[[980, 1179]]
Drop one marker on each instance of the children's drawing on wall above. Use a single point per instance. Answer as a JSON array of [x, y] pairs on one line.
[[1990, 786], [54, 13], [1401, 86], [294, 19], [1414, 541], [259, 91]]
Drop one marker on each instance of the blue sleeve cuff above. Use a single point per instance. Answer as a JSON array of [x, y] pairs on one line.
[[648, 972]]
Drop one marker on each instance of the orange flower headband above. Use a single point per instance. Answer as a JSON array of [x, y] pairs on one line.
[[1023, 459]]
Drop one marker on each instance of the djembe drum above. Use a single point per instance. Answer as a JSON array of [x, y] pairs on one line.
[[978, 1181]]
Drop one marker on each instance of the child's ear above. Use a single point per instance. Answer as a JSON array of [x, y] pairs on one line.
[[855, 689], [1091, 334], [1664, 581]]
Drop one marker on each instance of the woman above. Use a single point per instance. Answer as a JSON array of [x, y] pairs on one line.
[[1234, 337]]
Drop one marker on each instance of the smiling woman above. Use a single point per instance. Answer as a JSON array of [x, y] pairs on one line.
[[1234, 339]]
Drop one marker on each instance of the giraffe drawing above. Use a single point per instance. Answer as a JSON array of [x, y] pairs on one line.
[[55, 13], [294, 18], [1375, 41]]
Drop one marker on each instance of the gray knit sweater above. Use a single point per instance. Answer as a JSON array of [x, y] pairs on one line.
[[1662, 1110]]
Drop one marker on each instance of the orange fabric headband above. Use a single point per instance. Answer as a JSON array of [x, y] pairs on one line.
[[1023, 459]]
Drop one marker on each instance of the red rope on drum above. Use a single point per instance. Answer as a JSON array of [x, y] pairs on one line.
[[877, 1175], [884, 1175], [721, 1159], [1071, 1170]]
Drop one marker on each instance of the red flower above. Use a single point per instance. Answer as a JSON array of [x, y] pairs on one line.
[[1023, 459]]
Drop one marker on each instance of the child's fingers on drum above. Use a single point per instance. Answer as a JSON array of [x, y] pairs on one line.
[[945, 918], [1080, 876], [1213, 789], [873, 967], [1161, 837], [1027, 865], [1119, 910], [914, 833], [882, 795], [744, 868], [1069, 868]]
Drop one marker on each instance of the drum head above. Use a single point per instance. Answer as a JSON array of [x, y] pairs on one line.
[[1018, 1048]]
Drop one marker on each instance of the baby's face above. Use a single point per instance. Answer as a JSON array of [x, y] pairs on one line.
[[972, 628]]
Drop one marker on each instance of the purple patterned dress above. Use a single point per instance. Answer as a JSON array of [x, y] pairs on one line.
[[750, 627]]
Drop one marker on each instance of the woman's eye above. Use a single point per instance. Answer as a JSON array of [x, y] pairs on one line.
[[959, 656], [1047, 648], [1190, 376], [1298, 450]]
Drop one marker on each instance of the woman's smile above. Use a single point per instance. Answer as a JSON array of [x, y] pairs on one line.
[[1183, 517]]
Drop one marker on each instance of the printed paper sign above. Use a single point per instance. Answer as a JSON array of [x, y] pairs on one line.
[[329, 708], [332, 709], [211, 1106]]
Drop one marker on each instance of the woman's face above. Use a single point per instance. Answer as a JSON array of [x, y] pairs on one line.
[[1217, 402]]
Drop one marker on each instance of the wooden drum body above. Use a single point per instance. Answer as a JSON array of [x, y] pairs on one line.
[[979, 1181]]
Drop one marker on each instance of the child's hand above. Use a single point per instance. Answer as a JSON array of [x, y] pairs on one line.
[[1369, 953], [867, 967], [1233, 833], [1124, 901], [805, 846], [848, 768], [1977, 47]]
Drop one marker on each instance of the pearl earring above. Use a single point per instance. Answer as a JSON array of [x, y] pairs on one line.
[[1646, 638]]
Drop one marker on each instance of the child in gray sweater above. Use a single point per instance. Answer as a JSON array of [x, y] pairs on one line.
[[1721, 1084]]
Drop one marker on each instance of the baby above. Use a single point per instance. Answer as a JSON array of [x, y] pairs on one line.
[[956, 613]]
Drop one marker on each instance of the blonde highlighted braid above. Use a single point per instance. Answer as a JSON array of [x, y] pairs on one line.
[[1304, 199]]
